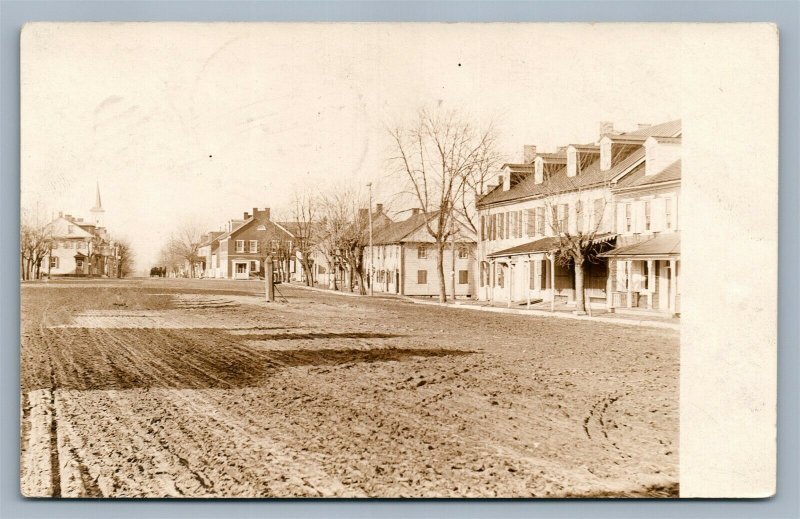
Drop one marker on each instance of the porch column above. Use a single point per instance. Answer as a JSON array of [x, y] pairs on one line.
[[651, 279], [610, 280], [552, 258], [673, 284], [629, 277], [510, 282], [528, 282]]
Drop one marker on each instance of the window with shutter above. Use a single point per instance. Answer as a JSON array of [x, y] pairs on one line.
[[628, 217], [657, 215], [597, 215], [620, 218], [530, 229], [543, 271], [519, 224], [483, 228]]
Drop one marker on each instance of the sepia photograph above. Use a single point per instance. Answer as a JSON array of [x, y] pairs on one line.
[[264, 260]]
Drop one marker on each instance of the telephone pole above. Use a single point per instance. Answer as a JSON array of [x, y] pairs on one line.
[[371, 268]]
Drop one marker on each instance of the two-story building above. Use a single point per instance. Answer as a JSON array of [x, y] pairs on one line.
[[403, 259], [242, 250], [645, 265], [81, 248], [551, 198]]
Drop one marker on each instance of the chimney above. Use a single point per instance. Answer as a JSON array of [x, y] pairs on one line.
[[261, 214], [507, 182], [606, 127], [379, 208], [246, 215], [528, 153]]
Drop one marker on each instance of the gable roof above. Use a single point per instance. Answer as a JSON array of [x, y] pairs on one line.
[[394, 232], [249, 222], [637, 177]]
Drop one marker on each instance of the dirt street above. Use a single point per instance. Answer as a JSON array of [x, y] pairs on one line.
[[151, 388]]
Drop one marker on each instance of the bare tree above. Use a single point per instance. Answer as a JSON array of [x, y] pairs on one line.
[[125, 258], [342, 236], [443, 159], [184, 245], [578, 244], [304, 213], [36, 243]]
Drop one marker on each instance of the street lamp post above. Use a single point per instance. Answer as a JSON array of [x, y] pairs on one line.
[[371, 252]]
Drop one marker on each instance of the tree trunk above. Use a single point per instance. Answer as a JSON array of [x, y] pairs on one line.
[[440, 268], [307, 270], [580, 301]]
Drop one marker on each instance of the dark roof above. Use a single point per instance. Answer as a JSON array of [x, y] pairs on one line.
[[541, 245], [662, 245], [637, 177], [548, 244], [394, 232]]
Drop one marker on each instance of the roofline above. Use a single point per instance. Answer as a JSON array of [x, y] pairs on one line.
[[645, 186], [539, 196]]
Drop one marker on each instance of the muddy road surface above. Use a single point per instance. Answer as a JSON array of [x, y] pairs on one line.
[[153, 388]]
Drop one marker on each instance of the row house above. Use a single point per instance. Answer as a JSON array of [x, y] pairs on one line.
[[572, 194], [645, 264], [403, 259]]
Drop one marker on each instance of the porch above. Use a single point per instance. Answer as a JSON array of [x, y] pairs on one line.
[[645, 276]]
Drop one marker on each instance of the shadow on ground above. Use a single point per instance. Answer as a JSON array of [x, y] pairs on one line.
[[111, 358]]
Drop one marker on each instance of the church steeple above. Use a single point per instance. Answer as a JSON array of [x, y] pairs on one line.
[[98, 205], [97, 211]]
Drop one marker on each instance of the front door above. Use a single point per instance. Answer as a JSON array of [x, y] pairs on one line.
[[241, 271]]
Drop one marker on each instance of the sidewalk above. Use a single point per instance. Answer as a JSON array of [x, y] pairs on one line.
[[562, 311]]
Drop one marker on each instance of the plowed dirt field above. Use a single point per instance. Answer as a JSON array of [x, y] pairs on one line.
[[153, 388]]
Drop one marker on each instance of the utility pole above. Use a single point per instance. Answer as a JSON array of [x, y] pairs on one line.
[[371, 252], [453, 259]]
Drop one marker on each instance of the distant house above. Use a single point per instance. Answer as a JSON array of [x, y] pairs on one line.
[[242, 251], [208, 250], [403, 259], [81, 248], [329, 268], [69, 253]]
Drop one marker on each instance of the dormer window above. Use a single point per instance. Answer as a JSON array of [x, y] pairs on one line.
[[572, 162], [538, 170], [605, 154]]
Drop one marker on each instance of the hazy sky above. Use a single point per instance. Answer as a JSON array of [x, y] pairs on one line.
[[204, 121]]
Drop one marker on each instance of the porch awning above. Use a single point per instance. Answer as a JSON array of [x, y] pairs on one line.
[[544, 245], [665, 246]]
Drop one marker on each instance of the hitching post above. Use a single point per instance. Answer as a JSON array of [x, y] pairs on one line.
[[268, 281]]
